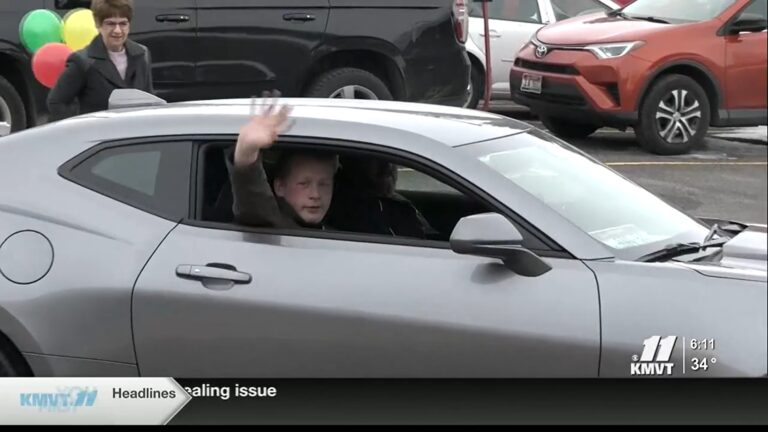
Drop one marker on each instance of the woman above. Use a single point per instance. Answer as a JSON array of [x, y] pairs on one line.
[[110, 62]]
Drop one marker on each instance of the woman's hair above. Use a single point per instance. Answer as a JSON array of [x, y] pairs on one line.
[[103, 9]]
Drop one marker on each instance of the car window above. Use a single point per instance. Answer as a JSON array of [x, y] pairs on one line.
[[623, 216], [565, 9], [418, 200], [152, 177], [757, 8], [135, 170], [509, 10]]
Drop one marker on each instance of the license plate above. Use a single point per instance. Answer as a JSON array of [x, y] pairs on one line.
[[531, 83]]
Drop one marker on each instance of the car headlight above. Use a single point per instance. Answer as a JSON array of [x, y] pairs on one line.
[[614, 50]]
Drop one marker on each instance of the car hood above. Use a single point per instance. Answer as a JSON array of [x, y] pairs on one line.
[[598, 28], [744, 257]]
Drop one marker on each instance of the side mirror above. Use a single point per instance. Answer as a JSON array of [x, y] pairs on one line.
[[492, 235], [750, 23]]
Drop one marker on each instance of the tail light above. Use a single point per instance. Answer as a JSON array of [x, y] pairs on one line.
[[461, 20]]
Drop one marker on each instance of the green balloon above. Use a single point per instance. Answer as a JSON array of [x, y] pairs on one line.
[[38, 28]]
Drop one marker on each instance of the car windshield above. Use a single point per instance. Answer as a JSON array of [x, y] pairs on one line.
[[626, 218], [678, 10], [565, 9]]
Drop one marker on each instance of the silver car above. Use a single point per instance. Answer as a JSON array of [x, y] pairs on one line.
[[118, 258]]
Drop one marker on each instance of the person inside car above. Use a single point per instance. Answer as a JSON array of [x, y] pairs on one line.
[[303, 183], [365, 201]]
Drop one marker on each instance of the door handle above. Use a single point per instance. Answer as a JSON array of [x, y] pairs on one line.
[[304, 17], [172, 18], [213, 271], [493, 34]]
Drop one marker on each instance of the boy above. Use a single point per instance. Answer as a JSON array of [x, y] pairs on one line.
[[303, 185]]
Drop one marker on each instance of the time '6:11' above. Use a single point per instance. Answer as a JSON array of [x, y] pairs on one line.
[[702, 344]]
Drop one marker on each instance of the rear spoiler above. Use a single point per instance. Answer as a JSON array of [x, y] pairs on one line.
[[133, 98]]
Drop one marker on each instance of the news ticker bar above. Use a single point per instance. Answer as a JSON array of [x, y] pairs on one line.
[[159, 401]]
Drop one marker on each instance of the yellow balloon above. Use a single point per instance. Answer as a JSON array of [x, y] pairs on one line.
[[79, 29]]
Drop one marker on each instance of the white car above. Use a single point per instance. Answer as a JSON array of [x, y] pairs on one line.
[[511, 25]]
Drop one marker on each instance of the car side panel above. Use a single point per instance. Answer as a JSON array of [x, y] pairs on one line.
[[642, 300], [435, 65], [81, 307]]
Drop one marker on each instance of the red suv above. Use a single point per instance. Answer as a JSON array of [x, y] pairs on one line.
[[669, 69]]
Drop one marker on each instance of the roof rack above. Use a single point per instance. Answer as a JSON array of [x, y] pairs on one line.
[[133, 98]]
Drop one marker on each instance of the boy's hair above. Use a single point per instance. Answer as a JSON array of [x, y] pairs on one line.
[[284, 163], [103, 9]]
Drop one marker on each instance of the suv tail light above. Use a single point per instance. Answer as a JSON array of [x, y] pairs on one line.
[[461, 19]]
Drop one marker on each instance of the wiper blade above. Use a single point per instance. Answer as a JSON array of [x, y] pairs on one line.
[[616, 13], [681, 249], [649, 18]]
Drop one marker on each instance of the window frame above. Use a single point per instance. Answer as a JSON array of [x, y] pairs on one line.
[[724, 30], [179, 163], [545, 246]]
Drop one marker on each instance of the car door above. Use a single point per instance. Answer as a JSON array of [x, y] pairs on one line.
[[248, 46], [511, 25], [747, 63], [169, 29], [306, 303]]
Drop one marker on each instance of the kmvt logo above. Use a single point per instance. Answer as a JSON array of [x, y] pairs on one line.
[[67, 399], [654, 360]]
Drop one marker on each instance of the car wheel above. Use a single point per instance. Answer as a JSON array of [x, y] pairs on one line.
[[568, 129], [349, 83], [476, 87], [12, 365], [12, 114], [674, 117]]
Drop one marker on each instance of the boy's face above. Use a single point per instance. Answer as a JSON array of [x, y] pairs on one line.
[[308, 188]]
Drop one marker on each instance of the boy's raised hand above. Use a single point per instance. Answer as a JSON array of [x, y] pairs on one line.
[[262, 130]]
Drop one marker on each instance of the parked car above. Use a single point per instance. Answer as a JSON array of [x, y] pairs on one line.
[[511, 25], [544, 263], [202, 49], [670, 70]]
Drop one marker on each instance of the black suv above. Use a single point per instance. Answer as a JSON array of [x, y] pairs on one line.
[[410, 50]]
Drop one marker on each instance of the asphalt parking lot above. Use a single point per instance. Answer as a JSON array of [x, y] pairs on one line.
[[726, 178]]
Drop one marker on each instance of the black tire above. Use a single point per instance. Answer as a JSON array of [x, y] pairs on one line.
[[12, 364], [693, 115], [365, 84], [11, 105], [568, 129], [477, 92]]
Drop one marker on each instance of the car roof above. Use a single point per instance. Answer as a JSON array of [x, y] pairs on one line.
[[448, 125]]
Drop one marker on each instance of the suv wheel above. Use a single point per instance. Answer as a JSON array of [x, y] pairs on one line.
[[12, 113], [349, 83], [476, 87], [674, 117], [568, 129]]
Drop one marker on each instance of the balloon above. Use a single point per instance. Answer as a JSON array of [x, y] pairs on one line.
[[79, 29], [39, 27], [49, 62]]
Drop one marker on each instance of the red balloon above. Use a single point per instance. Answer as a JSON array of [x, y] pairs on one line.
[[49, 62]]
